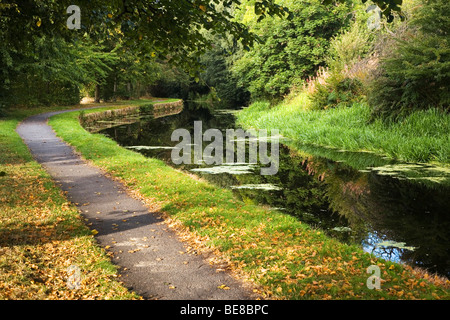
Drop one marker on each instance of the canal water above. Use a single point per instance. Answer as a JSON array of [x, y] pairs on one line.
[[397, 211]]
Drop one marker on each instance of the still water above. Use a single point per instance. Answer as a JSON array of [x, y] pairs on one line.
[[397, 211]]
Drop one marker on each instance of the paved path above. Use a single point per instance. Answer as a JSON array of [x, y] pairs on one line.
[[157, 263]]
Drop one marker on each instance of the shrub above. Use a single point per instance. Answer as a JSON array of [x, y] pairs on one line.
[[341, 82], [415, 73], [337, 89], [145, 108]]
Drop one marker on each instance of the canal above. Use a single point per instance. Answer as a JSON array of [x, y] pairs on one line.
[[394, 210]]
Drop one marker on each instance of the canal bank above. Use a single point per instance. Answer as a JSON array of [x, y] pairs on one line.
[[287, 258], [392, 209]]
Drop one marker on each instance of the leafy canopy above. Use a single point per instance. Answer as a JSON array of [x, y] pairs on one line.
[[166, 27]]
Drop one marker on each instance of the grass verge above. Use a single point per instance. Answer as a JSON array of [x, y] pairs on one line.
[[41, 234], [421, 137], [285, 258]]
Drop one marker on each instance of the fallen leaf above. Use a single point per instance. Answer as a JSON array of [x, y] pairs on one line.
[[223, 287]]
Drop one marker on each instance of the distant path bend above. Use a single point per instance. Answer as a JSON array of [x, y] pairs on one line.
[[156, 261]]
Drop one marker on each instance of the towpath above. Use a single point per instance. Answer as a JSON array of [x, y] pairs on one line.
[[154, 262]]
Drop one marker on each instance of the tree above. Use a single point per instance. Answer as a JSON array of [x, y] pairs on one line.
[[170, 30], [290, 49], [53, 71], [166, 27]]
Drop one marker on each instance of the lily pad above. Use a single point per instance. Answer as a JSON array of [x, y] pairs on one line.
[[342, 229], [225, 169], [226, 111], [262, 186], [418, 172], [395, 244], [149, 147], [260, 139], [277, 209]]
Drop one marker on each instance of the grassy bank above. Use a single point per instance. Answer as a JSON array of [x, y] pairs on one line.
[[421, 137], [41, 234], [283, 257]]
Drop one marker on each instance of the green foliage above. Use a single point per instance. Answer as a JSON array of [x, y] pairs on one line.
[[2, 109], [146, 108], [53, 72], [388, 7], [350, 44], [290, 49], [337, 90], [171, 30], [129, 76], [133, 32], [342, 81], [217, 73], [415, 74], [172, 82], [119, 42]]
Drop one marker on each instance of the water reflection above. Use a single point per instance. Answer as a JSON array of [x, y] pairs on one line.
[[395, 211]]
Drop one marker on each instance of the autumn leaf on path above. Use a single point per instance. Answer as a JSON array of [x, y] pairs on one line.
[[223, 287]]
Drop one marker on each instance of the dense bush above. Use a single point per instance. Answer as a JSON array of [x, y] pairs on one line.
[[414, 72], [31, 90], [51, 71], [338, 89]]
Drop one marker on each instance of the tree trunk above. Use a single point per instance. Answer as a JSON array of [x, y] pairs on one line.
[[97, 93], [129, 90], [138, 90]]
